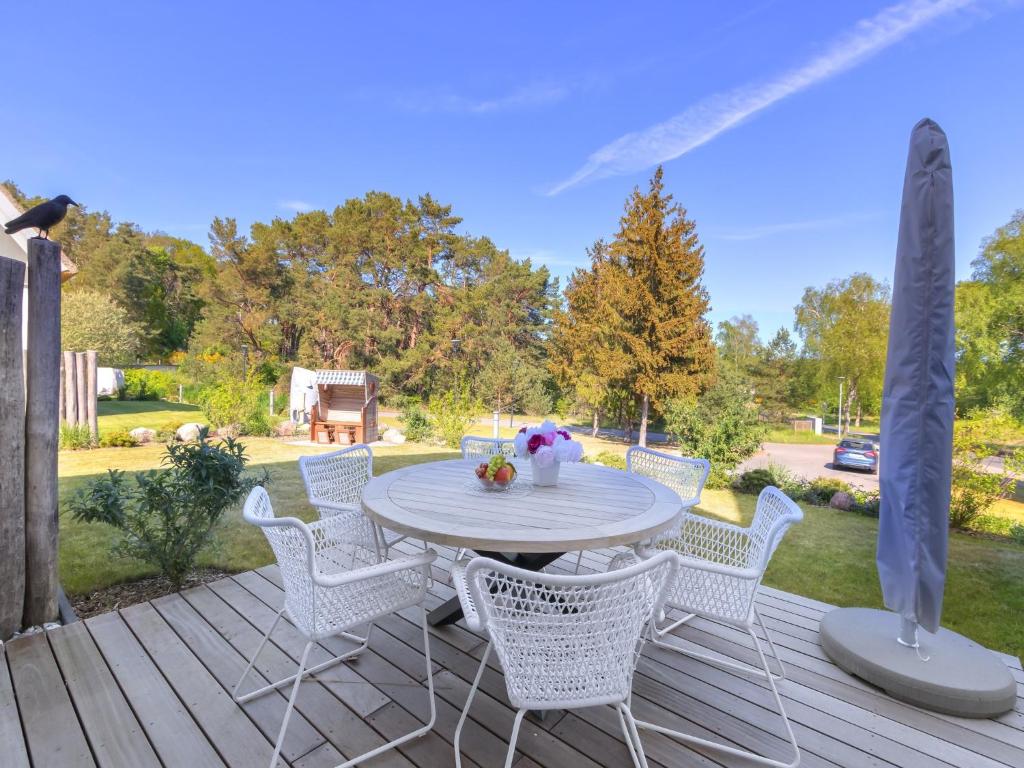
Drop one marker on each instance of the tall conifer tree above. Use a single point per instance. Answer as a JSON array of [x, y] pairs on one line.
[[655, 275]]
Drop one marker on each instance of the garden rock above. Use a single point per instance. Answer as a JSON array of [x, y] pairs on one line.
[[143, 434], [229, 430], [841, 500], [285, 429], [189, 432], [392, 435]]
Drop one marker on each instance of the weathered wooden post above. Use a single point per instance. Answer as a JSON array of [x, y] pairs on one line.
[[91, 372], [70, 390], [60, 392], [12, 448], [41, 429], [80, 383]]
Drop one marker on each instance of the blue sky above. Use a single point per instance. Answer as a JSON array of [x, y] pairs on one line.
[[783, 125]]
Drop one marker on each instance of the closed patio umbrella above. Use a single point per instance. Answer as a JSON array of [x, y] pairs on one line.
[[917, 397], [941, 670]]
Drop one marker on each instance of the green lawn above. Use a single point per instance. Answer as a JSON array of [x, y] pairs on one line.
[[157, 414], [829, 557]]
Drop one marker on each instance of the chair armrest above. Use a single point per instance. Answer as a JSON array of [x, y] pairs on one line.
[[691, 518], [331, 508], [473, 620], [411, 563]]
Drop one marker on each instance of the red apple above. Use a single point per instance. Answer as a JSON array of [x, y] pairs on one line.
[[503, 475]]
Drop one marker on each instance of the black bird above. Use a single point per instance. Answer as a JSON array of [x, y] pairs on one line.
[[42, 217]]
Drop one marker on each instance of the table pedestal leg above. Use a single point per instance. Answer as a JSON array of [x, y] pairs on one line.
[[451, 611]]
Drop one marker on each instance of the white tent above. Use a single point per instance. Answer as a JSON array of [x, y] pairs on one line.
[[303, 396], [109, 381]]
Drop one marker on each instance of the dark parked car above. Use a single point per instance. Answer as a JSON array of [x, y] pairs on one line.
[[856, 454]]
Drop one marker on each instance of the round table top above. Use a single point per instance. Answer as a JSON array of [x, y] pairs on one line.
[[590, 507]]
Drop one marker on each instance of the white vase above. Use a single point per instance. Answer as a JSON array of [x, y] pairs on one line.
[[544, 475]]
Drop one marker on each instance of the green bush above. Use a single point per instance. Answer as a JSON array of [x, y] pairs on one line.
[[820, 490], [721, 426], [167, 516], [1017, 533], [452, 414], [608, 459], [74, 437], [142, 384], [119, 439], [416, 423], [755, 480], [235, 402]]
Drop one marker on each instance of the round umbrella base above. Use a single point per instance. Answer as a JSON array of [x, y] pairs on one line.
[[960, 677]]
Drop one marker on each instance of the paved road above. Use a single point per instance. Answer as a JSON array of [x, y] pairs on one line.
[[809, 462]]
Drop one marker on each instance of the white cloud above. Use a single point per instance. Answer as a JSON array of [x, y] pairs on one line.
[[716, 114], [768, 230], [523, 97], [299, 206]]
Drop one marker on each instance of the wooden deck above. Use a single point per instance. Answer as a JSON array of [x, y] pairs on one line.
[[150, 686]]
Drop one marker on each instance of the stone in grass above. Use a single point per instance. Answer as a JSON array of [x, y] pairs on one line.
[[392, 435], [189, 432], [841, 500], [143, 434]]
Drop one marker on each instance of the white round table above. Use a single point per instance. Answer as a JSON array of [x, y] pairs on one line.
[[590, 507]]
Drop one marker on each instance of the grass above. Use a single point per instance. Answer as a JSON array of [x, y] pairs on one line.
[[830, 556], [783, 433], [115, 415]]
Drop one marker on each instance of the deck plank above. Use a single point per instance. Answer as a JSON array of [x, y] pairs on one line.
[[43, 701], [11, 735], [171, 730], [114, 733]]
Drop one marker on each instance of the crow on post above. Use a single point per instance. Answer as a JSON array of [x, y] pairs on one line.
[[42, 217]]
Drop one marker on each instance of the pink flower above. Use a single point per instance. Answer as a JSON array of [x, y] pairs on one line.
[[522, 429], [564, 434], [535, 442], [549, 438]]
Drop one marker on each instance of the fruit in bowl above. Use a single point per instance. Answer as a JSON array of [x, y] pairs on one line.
[[496, 473]]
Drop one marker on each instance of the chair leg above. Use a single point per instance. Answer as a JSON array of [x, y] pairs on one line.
[[428, 726], [469, 701], [771, 646], [291, 705], [752, 756], [514, 738], [656, 637], [361, 642], [636, 748], [579, 561]]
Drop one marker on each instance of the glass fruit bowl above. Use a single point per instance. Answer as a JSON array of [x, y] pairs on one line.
[[496, 474]]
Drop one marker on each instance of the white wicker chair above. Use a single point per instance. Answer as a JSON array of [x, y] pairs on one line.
[[720, 570], [334, 482], [563, 641], [683, 475], [332, 585]]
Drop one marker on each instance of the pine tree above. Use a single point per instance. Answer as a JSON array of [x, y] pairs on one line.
[[655, 284]]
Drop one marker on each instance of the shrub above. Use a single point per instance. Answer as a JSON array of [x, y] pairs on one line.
[[974, 488], [74, 437], [234, 402], [141, 384], [167, 516], [418, 426], [1017, 533], [92, 320], [755, 480], [119, 439], [452, 415], [721, 426], [608, 459], [820, 490]]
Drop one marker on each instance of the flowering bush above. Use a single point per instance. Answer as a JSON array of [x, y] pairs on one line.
[[547, 444]]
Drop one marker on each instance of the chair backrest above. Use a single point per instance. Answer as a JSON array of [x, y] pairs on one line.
[[683, 475], [293, 546], [568, 641], [337, 477], [482, 448], [774, 513]]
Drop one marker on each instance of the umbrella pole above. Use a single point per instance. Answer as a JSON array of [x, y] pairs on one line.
[[908, 633]]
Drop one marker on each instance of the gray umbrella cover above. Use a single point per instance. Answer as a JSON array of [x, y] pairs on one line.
[[917, 397]]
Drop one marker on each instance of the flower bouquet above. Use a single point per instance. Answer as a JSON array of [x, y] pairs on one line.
[[547, 447]]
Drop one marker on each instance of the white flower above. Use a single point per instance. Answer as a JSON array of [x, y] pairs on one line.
[[544, 456]]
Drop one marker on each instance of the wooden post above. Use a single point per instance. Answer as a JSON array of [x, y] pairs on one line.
[[80, 384], [91, 372], [41, 429], [61, 387], [70, 390], [12, 448]]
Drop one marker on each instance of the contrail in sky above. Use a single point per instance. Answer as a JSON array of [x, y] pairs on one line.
[[703, 121]]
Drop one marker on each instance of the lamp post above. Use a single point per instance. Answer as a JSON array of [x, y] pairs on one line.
[[839, 425]]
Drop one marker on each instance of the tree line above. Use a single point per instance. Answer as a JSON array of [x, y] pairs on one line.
[[395, 286]]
